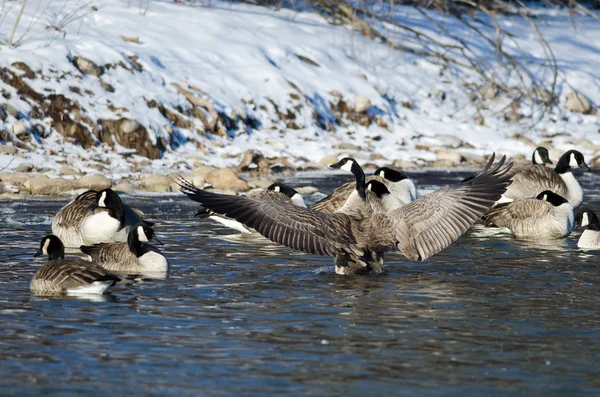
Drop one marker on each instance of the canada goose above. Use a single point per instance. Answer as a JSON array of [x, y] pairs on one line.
[[590, 238], [277, 191], [354, 234], [133, 257], [547, 216], [70, 276], [534, 179], [396, 182], [380, 198], [94, 217]]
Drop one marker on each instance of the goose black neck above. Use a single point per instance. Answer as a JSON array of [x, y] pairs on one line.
[[134, 243], [593, 221], [57, 253], [360, 180]]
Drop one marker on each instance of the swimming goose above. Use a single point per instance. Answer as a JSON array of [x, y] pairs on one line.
[[277, 191], [590, 238], [397, 183], [419, 229], [68, 276], [94, 217], [548, 216], [133, 257], [534, 179]]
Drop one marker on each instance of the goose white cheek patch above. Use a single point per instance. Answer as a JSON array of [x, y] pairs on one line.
[[382, 174], [45, 247], [584, 219], [538, 158], [277, 189], [101, 202], [573, 162], [347, 166], [141, 235]]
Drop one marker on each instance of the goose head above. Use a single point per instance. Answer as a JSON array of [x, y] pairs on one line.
[[294, 196], [390, 174], [571, 159], [540, 156], [140, 233], [378, 188], [385, 201], [552, 198], [587, 217], [350, 165], [110, 200], [51, 246]]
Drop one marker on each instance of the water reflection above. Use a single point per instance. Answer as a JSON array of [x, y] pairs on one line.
[[239, 315]]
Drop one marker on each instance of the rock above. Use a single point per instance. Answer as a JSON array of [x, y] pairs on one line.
[[198, 175], [544, 95], [328, 160], [254, 161], [442, 164], [472, 158], [361, 104], [88, 67], [404, 165], [158, 183], [3, 113], [14, 179], [23, 167], [7, 149], [347, 146], [307, 189], [107, 87], [311, 166], [451, 156], [128, 126], [449, 140], [123, 187], [42, 130], [578, 103], [65, 170], [226, 179], [261, 183], [49, 186], [19, 129], [93, 182]]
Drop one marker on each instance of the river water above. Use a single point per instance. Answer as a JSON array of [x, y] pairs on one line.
[[242, 316]]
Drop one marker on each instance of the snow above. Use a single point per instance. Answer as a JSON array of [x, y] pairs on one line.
[[246, 58]]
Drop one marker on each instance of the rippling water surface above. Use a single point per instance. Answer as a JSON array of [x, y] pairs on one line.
[[487, 316]]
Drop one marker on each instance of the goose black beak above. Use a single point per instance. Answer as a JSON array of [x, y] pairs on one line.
[[585, 167], [337, 165], [38, 253], [156, 240], [548, 161]]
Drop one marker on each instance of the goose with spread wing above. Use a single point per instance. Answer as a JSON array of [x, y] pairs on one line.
[[419, 229]]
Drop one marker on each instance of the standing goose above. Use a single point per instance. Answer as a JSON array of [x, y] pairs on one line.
[[419, 229], [548, 216], [68, 276], [276, 192], [590, 238], [396, 182], [534, 179], [133, 257], [94, 217]]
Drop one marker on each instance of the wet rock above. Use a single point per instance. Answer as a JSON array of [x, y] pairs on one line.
[[158, 183], [88, 67], [578, 103], [7, 149], [123, 187], [93, 182], [49, 186], [65, 170], [451, 156], [361, 104], [226, 179], [23, 167], [307, 189]]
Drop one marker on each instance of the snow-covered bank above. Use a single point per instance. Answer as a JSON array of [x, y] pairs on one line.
[[204, 85]]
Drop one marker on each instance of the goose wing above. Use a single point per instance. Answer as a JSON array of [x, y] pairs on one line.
[[270, 195], [299, 228], [506, 214], [72, 214], [107, 252], [534, 179], [335, 200], [73, 273], [434, 221]]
